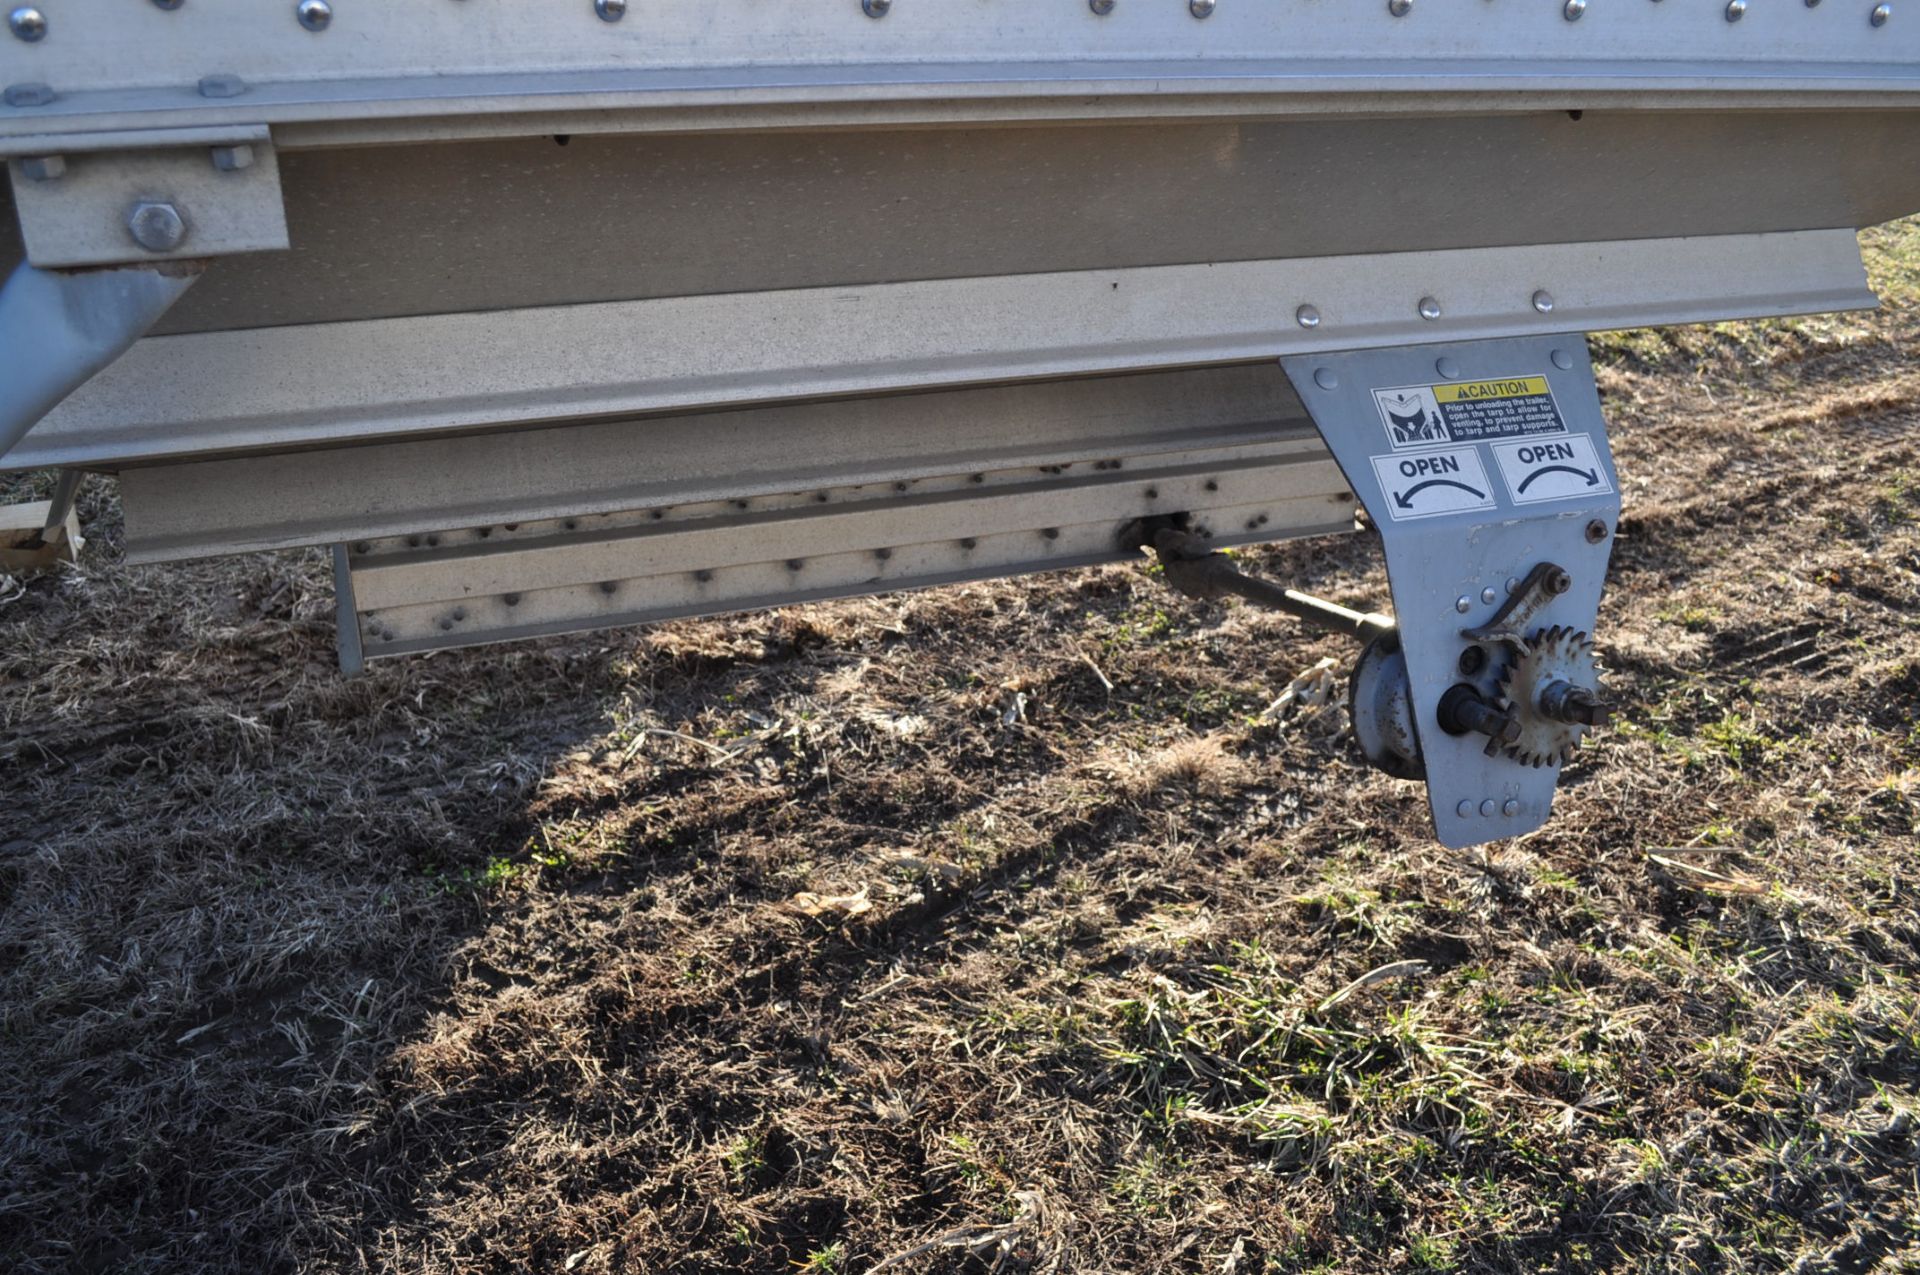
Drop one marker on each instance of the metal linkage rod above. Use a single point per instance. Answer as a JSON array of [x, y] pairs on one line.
[[1200, 572]]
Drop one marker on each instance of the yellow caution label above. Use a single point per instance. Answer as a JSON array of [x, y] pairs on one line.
[[1482, 391]]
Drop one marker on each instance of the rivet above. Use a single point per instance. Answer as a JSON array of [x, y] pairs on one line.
[[1572, 10], [968, 543], [1429, 308], [1448, 368], [1881, 12], [512, 599], [1488, 596], [1513, 583], [231, 159], [794, 564], [1200, 8], [1487, 808], [168, 5], [156, 226], [1562, 360], [1308, 317], [1101, 7], [1736, 10], [222, 85], [29, 95], [1051, 533], [610, 10], [43, 168], [1813, 4], [607, 587], [703, 575], [875, 8], [459, 613], [28, 23], [314, 15], [1510, 807], [1464, 809], [1463, 604], [1543, 301], [1326, 378], [883, 554], [1399, 8]]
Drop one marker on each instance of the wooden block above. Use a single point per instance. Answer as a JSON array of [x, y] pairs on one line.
[[28, 545]]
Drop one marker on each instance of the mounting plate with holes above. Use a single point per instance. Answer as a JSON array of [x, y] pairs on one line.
[[1485, 467]]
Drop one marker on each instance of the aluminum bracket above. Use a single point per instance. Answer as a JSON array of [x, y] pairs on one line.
[[1477, 462], [146, 195]]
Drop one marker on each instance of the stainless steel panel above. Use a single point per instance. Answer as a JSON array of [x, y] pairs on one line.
[[282, 388], [391, 231], [352, 493]]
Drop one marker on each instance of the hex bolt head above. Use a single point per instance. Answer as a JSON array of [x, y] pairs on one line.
[[314, 15], [610, 10], [876, 8], [43, 168], [156, 225], [1200, 8], [231, 159], [27, 23], [1101, 7]]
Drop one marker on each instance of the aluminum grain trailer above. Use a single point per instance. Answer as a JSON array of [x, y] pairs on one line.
[[563, 314]]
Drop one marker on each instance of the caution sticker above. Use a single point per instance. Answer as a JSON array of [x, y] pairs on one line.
[[1469, 411], [1552, 469], [1427, 484]]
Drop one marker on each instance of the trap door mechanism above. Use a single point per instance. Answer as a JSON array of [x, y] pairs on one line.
[[1485, 467]]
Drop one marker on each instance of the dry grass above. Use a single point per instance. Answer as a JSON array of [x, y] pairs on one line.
[[490, 961]]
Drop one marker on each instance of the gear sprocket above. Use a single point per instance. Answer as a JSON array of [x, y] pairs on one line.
[[1556, 670]]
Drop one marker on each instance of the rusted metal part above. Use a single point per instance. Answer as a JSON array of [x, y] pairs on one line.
[[1194, 568]]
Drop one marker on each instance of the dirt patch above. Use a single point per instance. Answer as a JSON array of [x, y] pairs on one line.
[[493, 961]]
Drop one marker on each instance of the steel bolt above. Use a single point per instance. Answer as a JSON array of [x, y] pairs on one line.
[[222, 85], [1736, 10], [156, 226], [1101, 7], [1572, 10], [1308, 317], [43, 168], [28, 23], [1200, 8], [1399, 8], [1565, 702], [1559, 582], [610, 10], [1429, 308], [231, 159], [876, 8], [314, 15], [1543, 301], [1472, 660], [1596, 532], [1880, 14]]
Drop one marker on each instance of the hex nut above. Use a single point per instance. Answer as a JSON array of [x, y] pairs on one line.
[[156, 225]]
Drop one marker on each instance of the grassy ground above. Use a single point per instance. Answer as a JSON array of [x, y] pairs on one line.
[[784, 943]]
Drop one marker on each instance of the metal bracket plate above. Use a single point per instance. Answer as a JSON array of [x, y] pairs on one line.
[[77, 194], [1477, 462]]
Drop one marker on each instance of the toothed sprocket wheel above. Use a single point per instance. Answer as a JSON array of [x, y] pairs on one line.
[[1551, 688]]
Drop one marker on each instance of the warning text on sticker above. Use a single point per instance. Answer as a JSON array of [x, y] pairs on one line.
[[1479, 391]]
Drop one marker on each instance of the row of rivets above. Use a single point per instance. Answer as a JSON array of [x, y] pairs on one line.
[[1327, 379], [1488, 808], [1308, 316], [30, 24]]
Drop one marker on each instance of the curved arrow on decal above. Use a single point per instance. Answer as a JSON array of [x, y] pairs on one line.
[[1593, 479], [1405, 501]]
